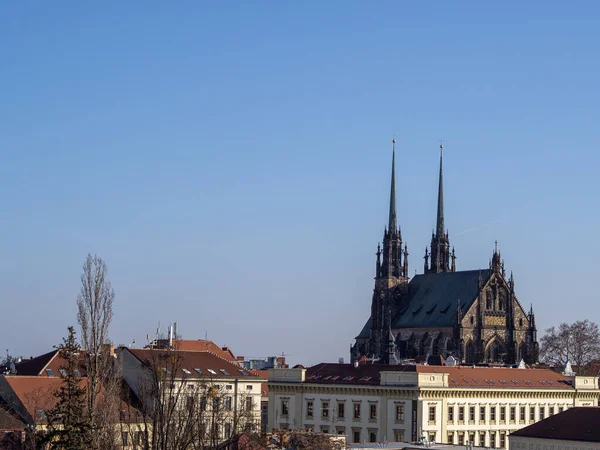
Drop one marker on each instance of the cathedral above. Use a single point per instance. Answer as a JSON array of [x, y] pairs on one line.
[[472, 315]]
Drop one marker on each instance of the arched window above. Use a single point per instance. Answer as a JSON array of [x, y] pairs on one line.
[[488, 302], [470, 353]]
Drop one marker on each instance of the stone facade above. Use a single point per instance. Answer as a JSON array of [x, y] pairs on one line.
[[474, 315]]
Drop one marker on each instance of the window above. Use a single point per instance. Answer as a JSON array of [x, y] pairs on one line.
[[551, 410], [560, 409], [372, 436], [542, 412], [139, 437], [399, 435], [399, 413], [216, 403], [431, 436], [356, 436], [532, 413], [77, 373], [63, 372], [482, 413], [212, 371], [493, 413], [41, 414], [324, 429], [249, 387], [203, 404], [250, 404], [502, 414], [461, 438], [451, 414], [432, 414], [124, 439], [198, 371], [186, 371], [227, 430], [472, 437], [513, 414], [223, 371], [502, 439], [461, 413], [340, 410], [243, 372], [284, 407], [373, 414], [357, 410], [228, 403], [50, 372], [471, 414], [325, 409], [228, 387], [450, 437], [482, 438], [340, 430], [522, 414], [492, 439], [189, 402], [309, 409]]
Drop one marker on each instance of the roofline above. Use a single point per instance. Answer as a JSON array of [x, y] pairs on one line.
[[245, 377]]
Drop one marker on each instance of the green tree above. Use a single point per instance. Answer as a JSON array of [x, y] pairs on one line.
[[68, 424]]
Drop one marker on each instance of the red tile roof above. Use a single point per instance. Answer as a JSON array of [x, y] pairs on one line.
[[202, 345], [33, 393], [209, 364], [574, 424], [500, 377], [460, 376]]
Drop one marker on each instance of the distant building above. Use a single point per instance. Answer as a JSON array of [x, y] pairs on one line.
[[224, 395], [473, 315], [411, 403], [574, 429]]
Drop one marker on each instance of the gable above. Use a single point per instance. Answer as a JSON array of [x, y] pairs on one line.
[[432, 299]]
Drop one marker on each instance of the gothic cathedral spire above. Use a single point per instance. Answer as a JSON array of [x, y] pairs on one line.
[[440, 243], [392, 224], [394, 265]]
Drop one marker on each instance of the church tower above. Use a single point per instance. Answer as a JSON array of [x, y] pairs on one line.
[[391, 270], [440, 243], [392, 262]]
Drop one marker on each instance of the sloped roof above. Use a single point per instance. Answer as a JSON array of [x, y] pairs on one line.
[[192, 360], [432, 299], [459, 376], [35, 366], [500, 377], [202, 345], [47, 365], [365, 333], [573, 424], [30, 395]]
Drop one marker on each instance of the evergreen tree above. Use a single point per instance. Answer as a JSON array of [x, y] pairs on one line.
[[68, 425]]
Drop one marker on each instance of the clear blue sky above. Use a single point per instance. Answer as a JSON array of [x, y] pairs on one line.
[[231, 163]]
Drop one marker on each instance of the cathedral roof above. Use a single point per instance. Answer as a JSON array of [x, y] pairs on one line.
[[432, 299]]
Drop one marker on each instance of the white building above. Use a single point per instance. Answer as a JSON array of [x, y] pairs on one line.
[[454, 405], [198, 382]]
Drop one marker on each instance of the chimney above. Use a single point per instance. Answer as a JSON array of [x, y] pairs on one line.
[[355, 364], [170, 336]]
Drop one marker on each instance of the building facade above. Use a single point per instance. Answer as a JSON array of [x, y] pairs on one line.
[[453, 405], [199, 390], [473, 315]]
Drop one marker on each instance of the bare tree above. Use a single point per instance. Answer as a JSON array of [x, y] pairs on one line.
[[185, 411], [578, 343], [94, 303]]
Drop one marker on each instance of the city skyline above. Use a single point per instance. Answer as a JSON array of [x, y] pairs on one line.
[[238, 160]]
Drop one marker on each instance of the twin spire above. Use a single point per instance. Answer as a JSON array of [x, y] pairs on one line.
[[392, 264]]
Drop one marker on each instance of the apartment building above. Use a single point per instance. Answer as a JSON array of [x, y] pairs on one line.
[[453, 405]]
